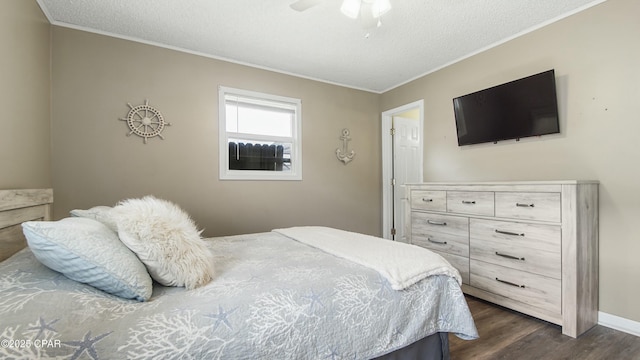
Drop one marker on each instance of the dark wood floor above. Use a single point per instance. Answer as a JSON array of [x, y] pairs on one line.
[[506, 334]]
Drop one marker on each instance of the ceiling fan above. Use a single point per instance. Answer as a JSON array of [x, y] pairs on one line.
[[364, 9]]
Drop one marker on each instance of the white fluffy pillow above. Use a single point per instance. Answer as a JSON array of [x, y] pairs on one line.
[[166, 240]]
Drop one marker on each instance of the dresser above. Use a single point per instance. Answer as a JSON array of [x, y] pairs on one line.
[[528, 246]]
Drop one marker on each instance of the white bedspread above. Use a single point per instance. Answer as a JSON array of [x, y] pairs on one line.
[[401, 264]]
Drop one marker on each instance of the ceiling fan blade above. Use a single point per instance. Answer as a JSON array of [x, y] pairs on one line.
[[302, 5]]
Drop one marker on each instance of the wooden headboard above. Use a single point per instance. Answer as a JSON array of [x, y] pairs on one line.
[[16, 207]]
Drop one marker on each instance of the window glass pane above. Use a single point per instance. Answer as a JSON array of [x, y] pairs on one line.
[[247, 154], [231, 118], [258, 119]]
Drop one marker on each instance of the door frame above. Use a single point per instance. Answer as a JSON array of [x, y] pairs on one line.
[[387, 160]]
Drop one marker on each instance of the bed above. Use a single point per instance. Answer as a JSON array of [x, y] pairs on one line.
[[272, 297]]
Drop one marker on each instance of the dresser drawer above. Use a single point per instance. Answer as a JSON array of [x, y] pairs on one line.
[[527, 247], [470, 202], [429, 200], [458, 262], [444, 233], [530, 206], [531, 289], [441, 241], [423, 223]]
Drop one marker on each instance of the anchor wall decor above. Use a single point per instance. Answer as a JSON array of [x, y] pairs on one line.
[[344, 154]]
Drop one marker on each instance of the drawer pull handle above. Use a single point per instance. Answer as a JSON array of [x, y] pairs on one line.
[[524, 205], [436, 242], [468, 202], [427, 200], [510, 283], [510, 256], [509, 233], [440, 223]]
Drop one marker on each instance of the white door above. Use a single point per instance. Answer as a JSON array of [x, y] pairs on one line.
[[406, 154], [409, 164]]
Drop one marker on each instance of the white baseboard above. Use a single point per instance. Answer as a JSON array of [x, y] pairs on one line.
[[619, 323]]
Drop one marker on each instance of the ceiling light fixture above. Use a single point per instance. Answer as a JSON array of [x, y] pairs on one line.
[[353, 8]]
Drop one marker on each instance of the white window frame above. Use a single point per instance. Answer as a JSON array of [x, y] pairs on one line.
[[223, 139]]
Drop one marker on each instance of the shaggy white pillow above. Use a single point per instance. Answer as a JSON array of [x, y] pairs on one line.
[[166, 240]]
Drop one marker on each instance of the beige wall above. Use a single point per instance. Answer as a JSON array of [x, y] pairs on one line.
[[94, 163], [596, 55], [24, 96]]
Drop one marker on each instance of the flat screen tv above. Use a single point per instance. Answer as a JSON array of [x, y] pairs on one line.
[[520, 108]]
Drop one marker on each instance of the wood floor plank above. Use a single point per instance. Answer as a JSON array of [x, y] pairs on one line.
[[507, 334]]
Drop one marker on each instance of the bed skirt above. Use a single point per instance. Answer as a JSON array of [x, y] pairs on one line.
[[433, 347]]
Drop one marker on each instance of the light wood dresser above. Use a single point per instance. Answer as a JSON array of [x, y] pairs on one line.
[[528, 246]]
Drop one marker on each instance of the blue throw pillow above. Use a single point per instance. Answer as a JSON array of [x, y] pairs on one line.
[[87, 251]]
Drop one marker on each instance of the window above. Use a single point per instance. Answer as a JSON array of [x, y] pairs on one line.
[[259, 136]]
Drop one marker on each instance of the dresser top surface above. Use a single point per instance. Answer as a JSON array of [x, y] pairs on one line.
[[537, 182]]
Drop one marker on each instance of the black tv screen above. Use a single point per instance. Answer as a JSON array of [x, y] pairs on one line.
[[517, 109]]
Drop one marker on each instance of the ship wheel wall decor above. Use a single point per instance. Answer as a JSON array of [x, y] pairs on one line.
[[145, 121]]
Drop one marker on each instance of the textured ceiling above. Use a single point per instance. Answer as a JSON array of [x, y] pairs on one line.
[[417, 36]]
